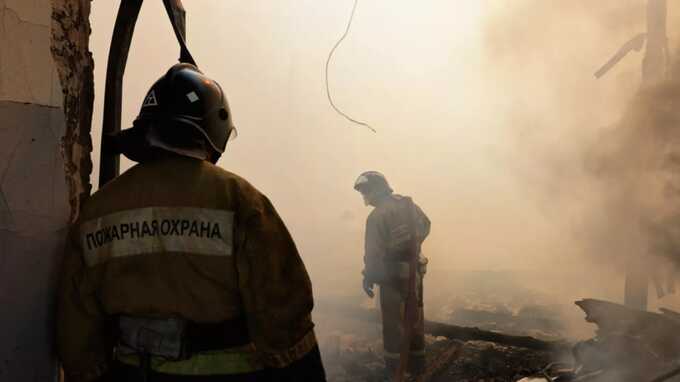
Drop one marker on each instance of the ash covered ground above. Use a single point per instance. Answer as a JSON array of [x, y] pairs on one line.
[[350, 332]]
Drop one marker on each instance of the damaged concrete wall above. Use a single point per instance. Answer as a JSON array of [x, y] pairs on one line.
[[70, 50], [39, 128]]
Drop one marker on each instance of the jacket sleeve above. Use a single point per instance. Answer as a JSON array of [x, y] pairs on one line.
[[275, 289], [422, 224], [84, 344], [375, 249]]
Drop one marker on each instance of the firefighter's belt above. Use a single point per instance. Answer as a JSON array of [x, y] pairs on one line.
[[400, 269], [175, 339]]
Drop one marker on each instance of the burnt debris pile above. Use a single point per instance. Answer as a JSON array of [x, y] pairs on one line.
[[353, 350], [630, 345]]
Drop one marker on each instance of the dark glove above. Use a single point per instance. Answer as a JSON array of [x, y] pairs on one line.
[[368, 288]]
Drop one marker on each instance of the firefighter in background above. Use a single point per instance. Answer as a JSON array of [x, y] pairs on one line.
[[386, 263], [179, 270]]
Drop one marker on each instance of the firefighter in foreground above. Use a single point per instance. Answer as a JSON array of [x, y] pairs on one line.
[[178, 270], [390, 229]]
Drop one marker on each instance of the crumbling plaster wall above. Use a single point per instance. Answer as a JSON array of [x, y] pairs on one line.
[[41, 124]]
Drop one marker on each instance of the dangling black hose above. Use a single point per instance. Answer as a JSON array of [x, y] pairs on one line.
[[109, 163]]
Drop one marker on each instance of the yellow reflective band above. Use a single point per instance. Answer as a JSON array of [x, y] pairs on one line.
[[390, 355], [285, 357], [218, 362], [148, 230]]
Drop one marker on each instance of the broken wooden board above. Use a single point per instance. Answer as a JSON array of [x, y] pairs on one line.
[[651, 328], [441, 362]]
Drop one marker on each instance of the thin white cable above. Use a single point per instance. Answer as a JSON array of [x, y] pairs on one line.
[[328, 60]]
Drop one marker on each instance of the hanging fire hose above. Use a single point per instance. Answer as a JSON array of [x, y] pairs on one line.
[[411, 305], [109, 165]]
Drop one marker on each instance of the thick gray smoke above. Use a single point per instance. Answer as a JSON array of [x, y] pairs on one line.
[[487, 113], [598, 156]]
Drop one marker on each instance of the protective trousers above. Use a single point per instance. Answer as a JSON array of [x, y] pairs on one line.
[[392, 305]]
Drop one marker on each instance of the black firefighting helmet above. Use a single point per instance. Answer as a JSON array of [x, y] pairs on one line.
[[372, 182], [185, 97]]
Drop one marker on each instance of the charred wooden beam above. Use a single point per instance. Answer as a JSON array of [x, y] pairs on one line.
[[453, 332], [612, 317], [462, 333], [670, 314], [666, 376]]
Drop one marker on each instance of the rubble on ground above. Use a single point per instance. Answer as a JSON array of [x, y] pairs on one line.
[[357, 359], [353, 351], [630, 345]]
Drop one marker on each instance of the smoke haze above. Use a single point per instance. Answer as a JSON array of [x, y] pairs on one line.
[[487, 113]]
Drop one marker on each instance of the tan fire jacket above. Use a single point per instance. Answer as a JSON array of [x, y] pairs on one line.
[[387, 238], [181, 237]]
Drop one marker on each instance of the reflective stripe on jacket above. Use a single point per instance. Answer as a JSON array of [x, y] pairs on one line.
[[184, 238], [216, 362]]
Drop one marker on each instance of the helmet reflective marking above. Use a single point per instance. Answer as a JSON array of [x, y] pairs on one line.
[[150, 99], [372, 181], [361, 180], [193, 97]]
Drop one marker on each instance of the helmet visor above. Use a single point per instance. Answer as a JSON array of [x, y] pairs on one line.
[[233, 134]]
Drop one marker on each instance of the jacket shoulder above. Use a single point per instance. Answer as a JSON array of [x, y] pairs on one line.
[[176, 181], [250, 199], [231, 178]]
